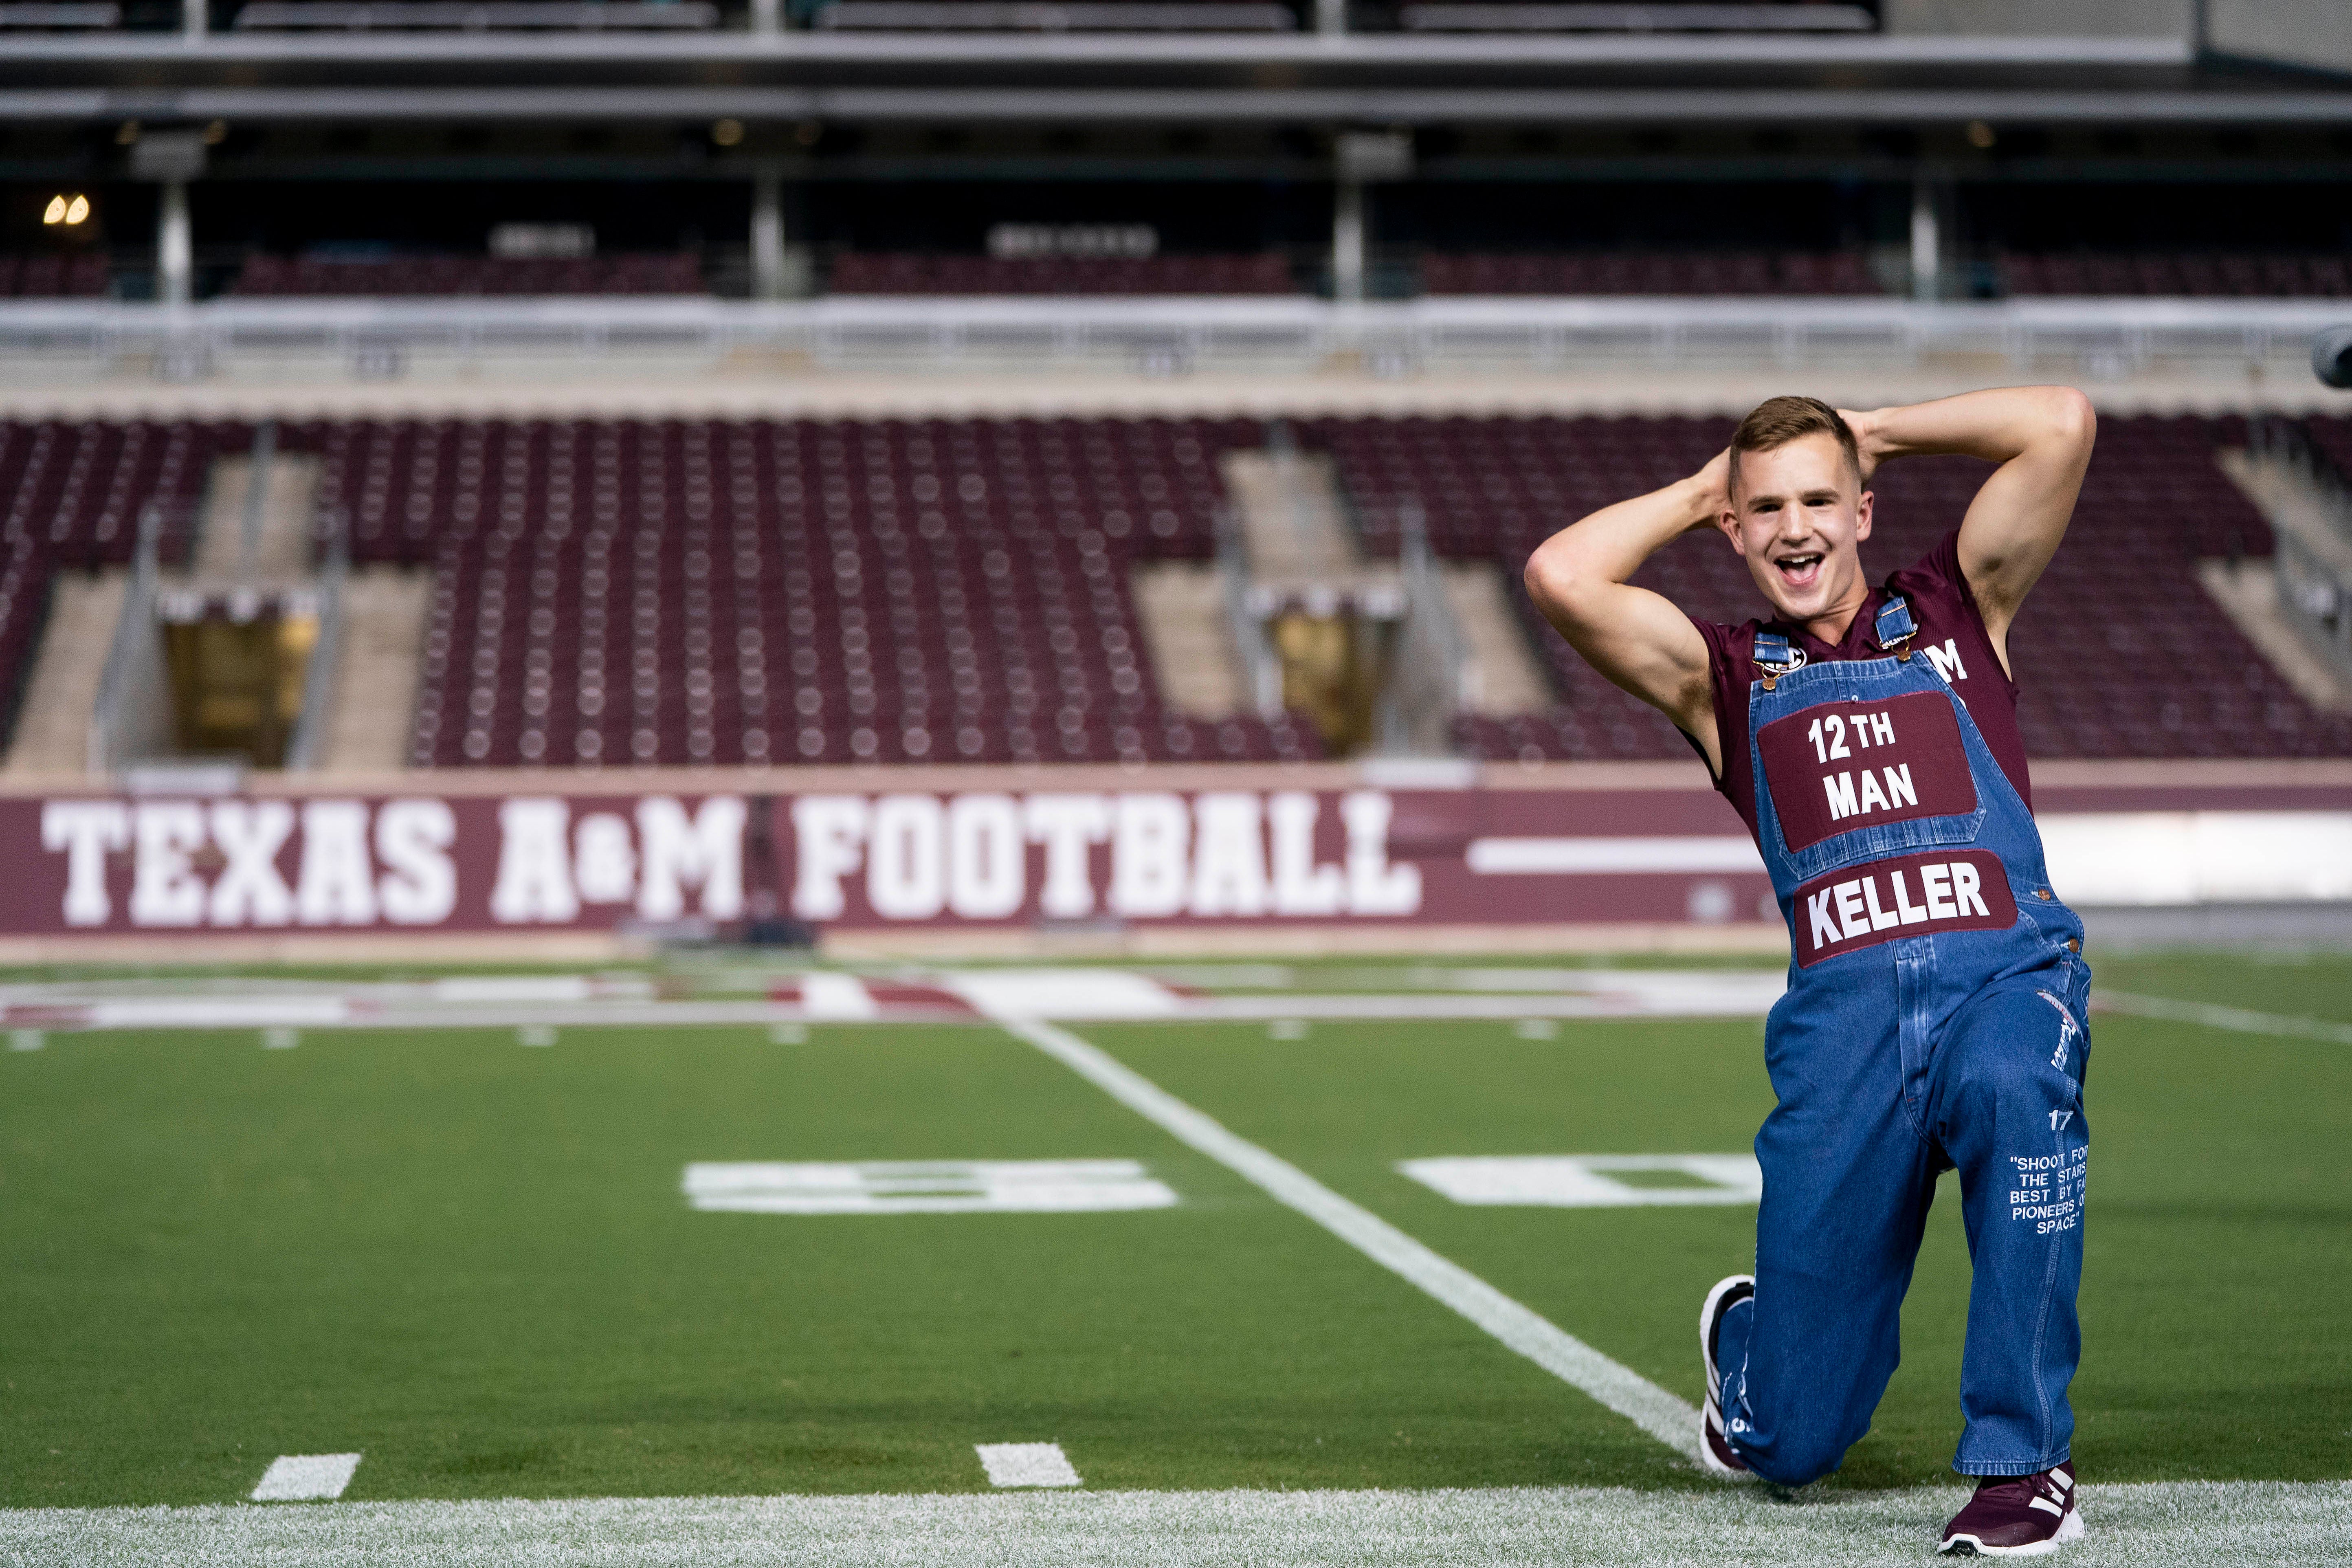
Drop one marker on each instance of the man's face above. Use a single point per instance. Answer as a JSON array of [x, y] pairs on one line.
[[1796, 518]]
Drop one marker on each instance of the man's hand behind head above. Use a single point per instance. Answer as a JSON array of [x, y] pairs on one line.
[[1863, 427]]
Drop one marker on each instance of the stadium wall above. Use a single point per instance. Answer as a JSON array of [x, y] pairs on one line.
[[1363, 856]]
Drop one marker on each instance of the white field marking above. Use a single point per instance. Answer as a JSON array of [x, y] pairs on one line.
[[1287, 1030], [1726, 1002], [1582, 1180], [2163, 1524], [825, 995], [1536, 1029], [306, 1478], [220, 1012], [788, 1034], [1620, 1387], [1027, 1465], [535, 1035], [925, 1186], [280, 1038], [1586, 856], [27, 1039], [828, 996], [518, 988], [2213, 1016], [1103, 993]]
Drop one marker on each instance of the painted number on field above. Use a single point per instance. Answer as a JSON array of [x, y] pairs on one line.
[[927, 1187], [1591, 1181]]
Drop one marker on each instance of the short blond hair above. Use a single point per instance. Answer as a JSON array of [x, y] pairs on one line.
[[1777, 421]]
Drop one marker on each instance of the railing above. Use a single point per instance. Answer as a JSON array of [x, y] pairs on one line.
[[1430, 670], [384, 339], [2313, 565], [133, 702], [2285, 442], [1261, 670], [305, 747]]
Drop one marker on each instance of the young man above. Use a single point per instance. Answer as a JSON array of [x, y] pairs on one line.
[[1936, 1005]]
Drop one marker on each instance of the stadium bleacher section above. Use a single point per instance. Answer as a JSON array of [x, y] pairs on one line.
[[2331, 437], [618, 593], [670, 272], [1649, 272], [1574, 273], [2187, 273], [2124, 656], [52, 277], [691, 592], [905, 273]]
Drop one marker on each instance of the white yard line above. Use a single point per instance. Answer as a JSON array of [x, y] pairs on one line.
[[2157, 1525], [1027, 1465], [1457, 1006], [1566, 1357], [306, 1478], [2238, 1020]]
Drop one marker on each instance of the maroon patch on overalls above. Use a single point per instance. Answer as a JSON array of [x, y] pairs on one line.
[[1910, 895], [1841, 765]]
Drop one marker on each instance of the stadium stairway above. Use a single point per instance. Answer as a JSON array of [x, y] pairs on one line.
[[2299, 507], [1181, 607], [371, 713], [60, 691], [72, 494]]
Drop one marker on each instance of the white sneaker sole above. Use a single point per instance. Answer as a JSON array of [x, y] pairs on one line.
[[2069, 1528], [1710, 1416]]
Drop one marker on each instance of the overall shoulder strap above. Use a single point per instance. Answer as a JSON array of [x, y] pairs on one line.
[[1896, 628], [1775, 656]]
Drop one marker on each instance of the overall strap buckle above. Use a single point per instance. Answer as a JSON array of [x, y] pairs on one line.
[[1896, 628], [1775, 656]]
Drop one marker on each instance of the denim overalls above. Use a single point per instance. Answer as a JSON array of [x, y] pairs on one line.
[[1934, 1018]]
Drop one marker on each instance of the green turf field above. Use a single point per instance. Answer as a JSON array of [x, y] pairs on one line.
[[472, 1261]]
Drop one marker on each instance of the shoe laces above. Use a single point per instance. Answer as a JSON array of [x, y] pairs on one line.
[[2019, 1489]]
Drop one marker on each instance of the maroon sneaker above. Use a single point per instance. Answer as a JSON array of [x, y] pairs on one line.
[[2016, 1516], [1715, 1453]]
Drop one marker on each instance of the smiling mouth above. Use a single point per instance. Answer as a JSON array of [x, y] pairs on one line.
[[1800, 569]]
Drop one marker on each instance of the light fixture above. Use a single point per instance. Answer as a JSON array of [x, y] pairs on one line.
[[65, 211], [727, 132]]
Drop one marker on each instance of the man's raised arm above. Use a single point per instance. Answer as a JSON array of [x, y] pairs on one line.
[[2041, 436], [1636, 638]]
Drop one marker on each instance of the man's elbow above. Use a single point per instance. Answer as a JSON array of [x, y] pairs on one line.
[[2073, 418], [1555, 582]]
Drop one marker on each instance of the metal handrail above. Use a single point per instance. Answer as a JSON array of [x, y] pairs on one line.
[[1261, 671], [1431, 676], [2286, 441], [136, 620], [304, 747]]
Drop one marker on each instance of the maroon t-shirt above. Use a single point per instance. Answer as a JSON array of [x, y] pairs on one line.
[[1951, 632]]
